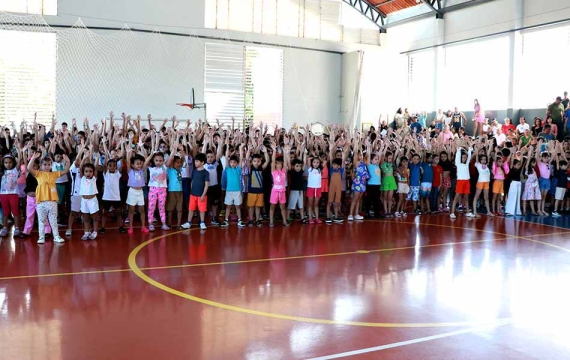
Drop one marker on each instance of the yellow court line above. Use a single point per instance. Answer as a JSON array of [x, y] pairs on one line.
[[149, 280], [243, 261], [139, 272], [364, 251], [64, 274], [546, 244]]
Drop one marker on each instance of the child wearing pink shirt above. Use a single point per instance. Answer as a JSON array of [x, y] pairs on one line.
[[500, 170], [278, 191]]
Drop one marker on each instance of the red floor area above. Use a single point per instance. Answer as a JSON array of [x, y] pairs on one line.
[[412, 289]]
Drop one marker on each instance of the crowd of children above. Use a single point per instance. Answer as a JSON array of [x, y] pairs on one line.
[[163, 173]]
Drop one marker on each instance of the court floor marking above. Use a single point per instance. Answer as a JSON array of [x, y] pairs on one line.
[[363, 251], [248, 261], [412, 342], [138, 271]]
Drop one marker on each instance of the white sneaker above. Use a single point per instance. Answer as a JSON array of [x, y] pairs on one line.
[[165, 227], [470, 215], [85, 236], [452, 216], [68, 232], [4, 232], [186, 225], [350, 218], [358, 217], [203, 226], [58, 239], [41, 240], [16, 232], [93, 235]]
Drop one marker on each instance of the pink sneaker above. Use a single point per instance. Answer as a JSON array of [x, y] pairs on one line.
[[130, 231], [318, 221], [311, 222], [144, 230]]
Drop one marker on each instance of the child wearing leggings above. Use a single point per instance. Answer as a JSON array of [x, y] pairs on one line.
[[157, 186], [46, 194]]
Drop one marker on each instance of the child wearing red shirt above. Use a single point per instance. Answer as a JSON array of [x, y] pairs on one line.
[[436, 185]]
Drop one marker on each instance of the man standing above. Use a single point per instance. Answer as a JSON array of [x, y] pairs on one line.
[[522, 126], [458, 119], [565, 101], [556, 110]]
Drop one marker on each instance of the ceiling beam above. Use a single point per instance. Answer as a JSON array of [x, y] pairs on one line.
[[369, 11], [438, 13], [443, 10]]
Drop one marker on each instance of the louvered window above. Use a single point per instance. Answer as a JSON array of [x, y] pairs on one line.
[[244, 82], [27, 75]]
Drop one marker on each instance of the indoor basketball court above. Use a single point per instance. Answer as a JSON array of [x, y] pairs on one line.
[[315, 179], [425, 289]]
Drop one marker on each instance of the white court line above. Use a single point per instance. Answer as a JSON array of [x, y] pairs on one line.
[[411, 342]]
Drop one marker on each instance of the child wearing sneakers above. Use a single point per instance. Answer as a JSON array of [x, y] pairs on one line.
[[403, 177], [278, 191], [89, 202], [198, 190], [75, 190], [58, 165], [462, 187], [255, 191], [562, 180], [135, 183], [157, 185], [314, 180], [46, 194], [296, 188], [30, 190], [175, 198], [335, 189], [112, 193], [231, 184], [482, 183], [9, 193]]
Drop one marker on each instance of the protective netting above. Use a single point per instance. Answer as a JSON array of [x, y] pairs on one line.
[[96, 71]]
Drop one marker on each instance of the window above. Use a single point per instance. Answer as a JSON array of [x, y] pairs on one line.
[[313, 19], [27, 75], [245, 83], [476, 70], [543, 73], [40, 7], [421, 81], [264, 85]]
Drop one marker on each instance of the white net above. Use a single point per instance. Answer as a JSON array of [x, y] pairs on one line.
[[27, 68], [97, 72]]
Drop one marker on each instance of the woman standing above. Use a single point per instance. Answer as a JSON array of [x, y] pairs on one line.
[[537, 127], [478, 119]]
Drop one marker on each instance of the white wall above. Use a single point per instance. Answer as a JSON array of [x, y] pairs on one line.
[[95, 75], [480, 20], [311, 87], [350, 73], [390, 64]]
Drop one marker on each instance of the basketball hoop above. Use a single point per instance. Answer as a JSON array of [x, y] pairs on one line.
[[193, 105]]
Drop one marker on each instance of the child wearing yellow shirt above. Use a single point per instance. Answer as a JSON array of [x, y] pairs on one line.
[[46, 194]]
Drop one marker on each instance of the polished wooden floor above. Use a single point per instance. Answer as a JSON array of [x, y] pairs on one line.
[[418, 288]]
